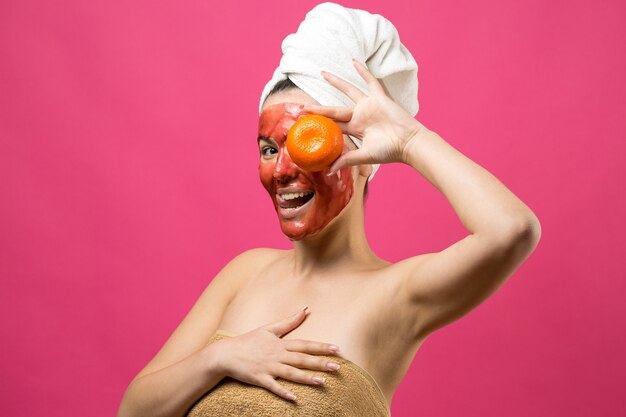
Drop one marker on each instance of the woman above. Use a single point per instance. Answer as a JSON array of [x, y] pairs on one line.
[[242, 333]]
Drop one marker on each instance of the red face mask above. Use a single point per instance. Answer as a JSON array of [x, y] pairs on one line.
[[305, 201]]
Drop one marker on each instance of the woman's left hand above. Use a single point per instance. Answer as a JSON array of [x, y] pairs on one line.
[[384, 127]]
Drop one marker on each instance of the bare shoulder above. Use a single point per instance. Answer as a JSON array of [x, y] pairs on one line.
[[237, 272], [202, 320], [258, 257]]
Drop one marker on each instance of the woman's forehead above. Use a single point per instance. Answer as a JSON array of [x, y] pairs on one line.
[[275, 120]]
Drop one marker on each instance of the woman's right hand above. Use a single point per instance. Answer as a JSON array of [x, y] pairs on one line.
[[260, 356]]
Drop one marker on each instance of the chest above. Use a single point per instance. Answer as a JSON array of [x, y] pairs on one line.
[[337, 308], [357, 312]]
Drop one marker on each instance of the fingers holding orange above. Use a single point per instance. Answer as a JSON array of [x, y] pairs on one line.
[[314, 142]]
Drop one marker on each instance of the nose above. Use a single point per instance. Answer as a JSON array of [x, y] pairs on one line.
[[285, 168]]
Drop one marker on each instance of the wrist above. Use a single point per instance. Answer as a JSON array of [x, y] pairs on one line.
[[417, 136], [212, 362]]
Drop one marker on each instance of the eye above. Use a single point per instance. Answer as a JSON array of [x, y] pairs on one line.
[[268, 151]]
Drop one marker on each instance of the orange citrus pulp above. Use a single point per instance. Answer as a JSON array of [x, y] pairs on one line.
[[314, 142]]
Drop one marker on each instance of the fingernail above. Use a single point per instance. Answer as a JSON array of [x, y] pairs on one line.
[[318, 379], [333, 348], [330, 174], [332, 365], [291, 396]]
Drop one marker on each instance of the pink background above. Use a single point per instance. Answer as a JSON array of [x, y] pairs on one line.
[[128, 168]]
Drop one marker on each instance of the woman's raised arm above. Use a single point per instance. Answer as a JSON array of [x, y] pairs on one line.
[[446, 285]]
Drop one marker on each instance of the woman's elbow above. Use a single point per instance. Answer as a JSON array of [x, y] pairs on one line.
[[525, 235]]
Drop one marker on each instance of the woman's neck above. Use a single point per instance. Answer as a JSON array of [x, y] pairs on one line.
[[341, 244]]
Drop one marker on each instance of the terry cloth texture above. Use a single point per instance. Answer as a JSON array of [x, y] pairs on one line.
[[348, 392], [328, 39]]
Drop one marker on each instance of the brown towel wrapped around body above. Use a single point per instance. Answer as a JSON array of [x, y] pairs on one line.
[[347, 392]]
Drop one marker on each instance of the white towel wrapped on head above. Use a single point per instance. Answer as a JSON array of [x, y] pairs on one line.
[[328, 39]]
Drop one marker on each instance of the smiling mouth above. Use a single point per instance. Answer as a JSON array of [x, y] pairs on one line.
[[294, 200]]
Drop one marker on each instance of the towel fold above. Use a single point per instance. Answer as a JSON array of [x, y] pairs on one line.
[[328, 39]]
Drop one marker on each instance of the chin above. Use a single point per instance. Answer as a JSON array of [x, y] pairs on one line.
[[299, 234]]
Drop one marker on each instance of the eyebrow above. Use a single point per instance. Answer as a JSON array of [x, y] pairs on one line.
[[265, 138]]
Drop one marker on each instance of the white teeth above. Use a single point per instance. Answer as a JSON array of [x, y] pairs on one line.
[[291, 196]]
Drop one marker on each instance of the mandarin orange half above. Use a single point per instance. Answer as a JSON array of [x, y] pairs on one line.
[[314, 142]]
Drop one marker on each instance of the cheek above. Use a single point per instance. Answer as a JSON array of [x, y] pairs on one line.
[[266, 171], [342, 183], [335, 189]]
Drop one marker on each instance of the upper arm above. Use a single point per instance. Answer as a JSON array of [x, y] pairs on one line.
[[203, 319], [444, 286]]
